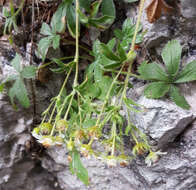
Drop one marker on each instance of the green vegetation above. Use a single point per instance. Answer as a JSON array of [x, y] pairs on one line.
[[165, 81], [18, 89], [91, 111]]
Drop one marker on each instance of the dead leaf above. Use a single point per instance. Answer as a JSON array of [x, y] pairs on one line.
[[155, 8]]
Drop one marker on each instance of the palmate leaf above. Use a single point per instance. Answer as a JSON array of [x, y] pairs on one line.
[[177, 98], [188, 73], [171, 55], [156, 89], [152, 71]]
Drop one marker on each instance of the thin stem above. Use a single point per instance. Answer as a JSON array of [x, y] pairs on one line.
[[19, 9], [58, 97], [137, 26], [77, 44], [59, 113], [131, 52], [69, 106], [123, 72], [68, 42], [108, 95], [46, 64], [65, 58], [76, 59], [46, 111]]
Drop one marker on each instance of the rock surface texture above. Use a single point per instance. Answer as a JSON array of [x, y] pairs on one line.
[[170, 128], [17, 170]]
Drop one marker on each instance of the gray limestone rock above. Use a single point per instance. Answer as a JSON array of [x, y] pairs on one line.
[[17, 170], [162, 120], [188, 8]]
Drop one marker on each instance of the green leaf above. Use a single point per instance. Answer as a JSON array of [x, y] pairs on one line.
[[171, 55], [83, 17], [130, 103], [45, 29], [16, 63], [5, 12], [112, 65], [57, 22], [100, 22], [119, 34], [43, 46], [188, 73], [89, 89], [86, 4], [55, 41], [128, 28], [71, 20], [78, 168], [29, 72], [108, 53], [111, 44], [96, 49], [95, 8], [152, 71], [177, 98], [19, 91], [121, 53], [156, 89], [104, 85], [62, 67], [89, 123], [108, 8]]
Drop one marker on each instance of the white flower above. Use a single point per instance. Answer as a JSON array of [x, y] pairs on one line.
[[46, 141]]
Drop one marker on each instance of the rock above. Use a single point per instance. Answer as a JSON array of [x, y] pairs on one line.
[[101, 177], [174, 171], [178, 25], [188, 8], [162, 120], [17, 170]]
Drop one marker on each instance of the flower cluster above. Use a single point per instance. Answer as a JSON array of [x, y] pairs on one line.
[[43, 135]]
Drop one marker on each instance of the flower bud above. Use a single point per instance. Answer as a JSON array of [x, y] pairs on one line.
[[61, 125]]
